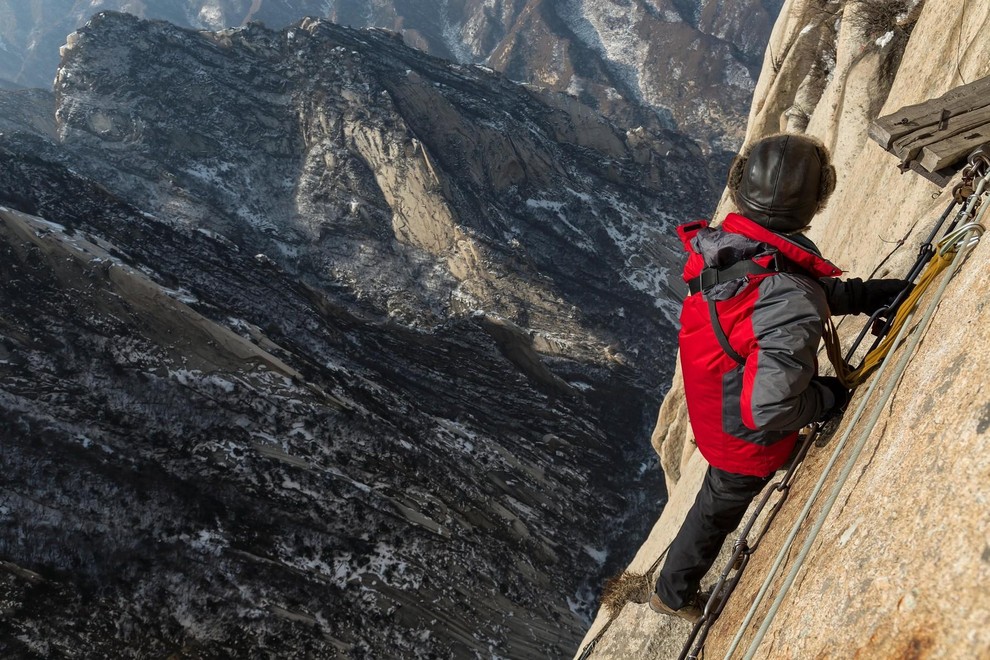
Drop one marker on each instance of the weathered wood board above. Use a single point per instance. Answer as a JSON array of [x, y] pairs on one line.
[[931, 137], [942, 154], [907, 147], [911, 118]]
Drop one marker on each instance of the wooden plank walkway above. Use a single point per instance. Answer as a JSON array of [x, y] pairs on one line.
[[931, 137]]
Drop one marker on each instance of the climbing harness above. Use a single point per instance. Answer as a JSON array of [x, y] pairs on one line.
[[948, 254]]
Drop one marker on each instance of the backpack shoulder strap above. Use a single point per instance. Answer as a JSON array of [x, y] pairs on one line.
[[710, 277], [723, 341]]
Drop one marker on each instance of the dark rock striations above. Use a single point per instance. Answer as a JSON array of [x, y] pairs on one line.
[[312, 345]]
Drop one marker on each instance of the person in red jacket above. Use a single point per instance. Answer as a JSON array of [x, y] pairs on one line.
[[759, 294]]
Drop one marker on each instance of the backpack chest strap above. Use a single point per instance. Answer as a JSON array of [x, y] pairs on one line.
[[709, 277]]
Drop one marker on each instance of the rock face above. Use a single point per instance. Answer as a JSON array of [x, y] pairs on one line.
[[658, 63], [313, 345], [897, 568], [420, 188], [28, 110]]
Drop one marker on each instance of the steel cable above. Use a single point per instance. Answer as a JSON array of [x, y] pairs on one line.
[[958, 245]]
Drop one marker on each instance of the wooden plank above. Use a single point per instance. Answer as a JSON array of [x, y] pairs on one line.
[[944, 153], [908, 119], [940, 178], [908, 147]]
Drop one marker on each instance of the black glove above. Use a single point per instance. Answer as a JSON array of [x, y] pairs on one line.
[[877, 294], [835, 391]]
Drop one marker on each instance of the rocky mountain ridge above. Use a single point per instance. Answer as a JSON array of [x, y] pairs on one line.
[[343, 155], [689, 65], [314, 345], [897, 568]]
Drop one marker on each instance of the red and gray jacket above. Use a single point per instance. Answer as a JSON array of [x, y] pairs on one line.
[[770, 304]]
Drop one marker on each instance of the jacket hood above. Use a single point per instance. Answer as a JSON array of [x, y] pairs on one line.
[[738, 238], [799, 250]]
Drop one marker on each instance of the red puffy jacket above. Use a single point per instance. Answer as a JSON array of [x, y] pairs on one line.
[[746, 416]]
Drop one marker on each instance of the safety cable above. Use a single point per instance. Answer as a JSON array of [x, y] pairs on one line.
[[939, 262], [586, 653], [958, 245], [881, 320], [590, 646], [951, 251], [947, 252]]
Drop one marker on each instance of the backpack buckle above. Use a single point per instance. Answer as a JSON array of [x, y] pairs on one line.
[[708, 278]]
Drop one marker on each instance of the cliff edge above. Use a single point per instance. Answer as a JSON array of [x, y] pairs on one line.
[[900, 565]]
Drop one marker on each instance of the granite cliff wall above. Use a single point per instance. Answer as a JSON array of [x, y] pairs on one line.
[[900, 566]]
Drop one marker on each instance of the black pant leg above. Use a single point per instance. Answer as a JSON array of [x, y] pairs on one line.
[[718, 509]]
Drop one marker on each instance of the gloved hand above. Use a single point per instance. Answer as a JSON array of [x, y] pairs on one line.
[[835, 391], [877, 294]]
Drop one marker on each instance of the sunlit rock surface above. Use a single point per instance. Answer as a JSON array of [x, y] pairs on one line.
[[898, 568]]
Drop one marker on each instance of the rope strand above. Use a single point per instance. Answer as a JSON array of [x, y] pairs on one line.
[[950, 254]]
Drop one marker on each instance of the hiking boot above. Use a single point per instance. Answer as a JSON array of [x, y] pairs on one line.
[[690, 612]]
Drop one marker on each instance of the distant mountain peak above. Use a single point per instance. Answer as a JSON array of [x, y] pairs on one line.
[[684, 64]]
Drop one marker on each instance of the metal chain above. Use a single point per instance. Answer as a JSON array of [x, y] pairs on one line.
[[958, 241], [961, 239], [742, 551], [960, 246], [590, 646], [954, 248]]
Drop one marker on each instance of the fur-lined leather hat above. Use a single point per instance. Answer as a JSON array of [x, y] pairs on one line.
[[782, 181]]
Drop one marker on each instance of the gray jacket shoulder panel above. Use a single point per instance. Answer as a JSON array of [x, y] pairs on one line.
[[787, 325]]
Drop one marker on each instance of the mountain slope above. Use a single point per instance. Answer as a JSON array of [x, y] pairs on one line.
[[374, 154], [313, 344], [690, 64], [239, 464]]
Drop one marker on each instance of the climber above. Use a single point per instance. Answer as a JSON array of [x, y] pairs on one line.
[[759, 293]]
